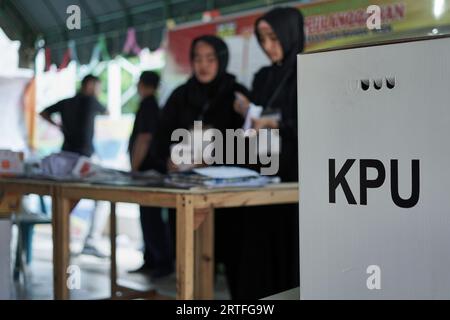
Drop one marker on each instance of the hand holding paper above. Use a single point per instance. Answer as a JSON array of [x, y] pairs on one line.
[[241, 104], [253, 113]]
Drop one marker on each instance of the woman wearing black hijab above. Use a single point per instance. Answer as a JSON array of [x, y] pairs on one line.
[[208, 96], [269, 260], [281, 36]]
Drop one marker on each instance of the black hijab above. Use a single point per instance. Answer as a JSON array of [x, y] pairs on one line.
[[287, 23], [211, 103], [220, 48], [205, 96]]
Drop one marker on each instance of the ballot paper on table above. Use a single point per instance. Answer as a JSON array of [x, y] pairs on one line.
[[255, 182], [219, 177], [59, 165], [224, 172], [85, 168], [113, 177]]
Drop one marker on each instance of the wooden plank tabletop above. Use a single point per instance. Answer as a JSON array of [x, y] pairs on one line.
[[45, 185], [191, 205]]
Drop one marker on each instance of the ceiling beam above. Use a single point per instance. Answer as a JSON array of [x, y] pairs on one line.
[[91, 15], [27, 16], [27, 30], [60, 22], [117, 15], [160, 22], [167, 11], [210, 4], [126, 9]]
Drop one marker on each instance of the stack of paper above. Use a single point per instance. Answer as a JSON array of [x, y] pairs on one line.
[[59, 165], [219, 177]]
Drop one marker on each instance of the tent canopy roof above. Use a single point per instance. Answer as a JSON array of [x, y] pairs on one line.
[[29, 20]]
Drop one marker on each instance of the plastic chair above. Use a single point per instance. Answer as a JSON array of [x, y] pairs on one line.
[[25, 222]]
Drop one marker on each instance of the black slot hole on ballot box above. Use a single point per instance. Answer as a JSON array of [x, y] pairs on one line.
[[378, 84], [365, 84], [390, 82]]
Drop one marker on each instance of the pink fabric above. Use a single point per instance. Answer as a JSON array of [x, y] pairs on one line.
[[66, 60], [48, 59], [131, 44]]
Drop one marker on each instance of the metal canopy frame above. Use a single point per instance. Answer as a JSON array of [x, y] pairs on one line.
[[15, 16]]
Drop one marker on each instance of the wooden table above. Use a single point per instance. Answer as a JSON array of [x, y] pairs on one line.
[[194, 222]]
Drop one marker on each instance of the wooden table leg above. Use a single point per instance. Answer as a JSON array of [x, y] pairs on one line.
[[113, 234], [61, 244], [9, 203], [185, 247], [204, 258]]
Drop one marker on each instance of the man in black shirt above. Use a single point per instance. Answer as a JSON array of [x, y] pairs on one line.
[[77, 125], [158, 250], [78, 117], [145, 123]]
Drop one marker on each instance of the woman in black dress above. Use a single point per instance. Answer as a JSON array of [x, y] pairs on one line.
[[269, 260], [208, 96]]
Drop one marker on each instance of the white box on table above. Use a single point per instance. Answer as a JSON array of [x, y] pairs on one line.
[[11, 163]]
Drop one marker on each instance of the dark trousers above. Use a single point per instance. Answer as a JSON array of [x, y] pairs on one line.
[[158, 243]]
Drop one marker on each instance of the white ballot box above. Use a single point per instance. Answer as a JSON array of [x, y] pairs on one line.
[[374, 141], [5, 259]]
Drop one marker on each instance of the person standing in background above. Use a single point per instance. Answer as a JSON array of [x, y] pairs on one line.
[[158, 256], [78, 117], [77, 125], [269, 259], [207, 96]]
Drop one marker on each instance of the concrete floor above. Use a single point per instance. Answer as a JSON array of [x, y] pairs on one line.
[[94, 276]]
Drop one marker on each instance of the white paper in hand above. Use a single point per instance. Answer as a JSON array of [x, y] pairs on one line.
[[254, 112]]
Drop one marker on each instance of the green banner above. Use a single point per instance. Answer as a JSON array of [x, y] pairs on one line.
[[344, 22]]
